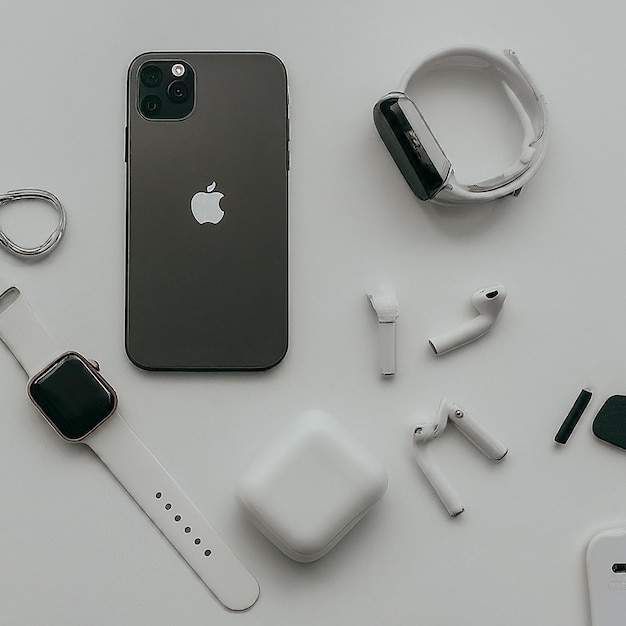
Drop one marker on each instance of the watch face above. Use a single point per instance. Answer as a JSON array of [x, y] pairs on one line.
[[72, 396], [412, 145]]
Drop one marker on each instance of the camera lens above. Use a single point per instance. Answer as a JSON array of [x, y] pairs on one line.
[[151, 75], [177, 91], [150, 105]]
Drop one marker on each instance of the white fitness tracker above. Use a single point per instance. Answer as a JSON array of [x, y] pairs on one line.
[[81, 406], [417, 152]]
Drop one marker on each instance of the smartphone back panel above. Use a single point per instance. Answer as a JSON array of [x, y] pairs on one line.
[[206, 254]]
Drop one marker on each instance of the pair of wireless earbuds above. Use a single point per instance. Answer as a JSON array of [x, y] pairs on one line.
[[487, 301], [426, 432]]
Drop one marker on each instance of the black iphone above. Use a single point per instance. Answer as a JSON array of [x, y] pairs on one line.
[[207, 163]]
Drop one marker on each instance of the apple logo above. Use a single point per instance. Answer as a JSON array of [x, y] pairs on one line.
[[205, 205]]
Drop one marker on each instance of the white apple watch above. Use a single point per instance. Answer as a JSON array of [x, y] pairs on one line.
[[417, 152], [81, 406]]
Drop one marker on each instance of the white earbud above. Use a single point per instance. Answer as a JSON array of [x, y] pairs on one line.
[[385, 303], [425, 433], [488, 302]]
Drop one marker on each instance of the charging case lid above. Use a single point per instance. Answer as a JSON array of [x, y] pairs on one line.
[[311, 486]]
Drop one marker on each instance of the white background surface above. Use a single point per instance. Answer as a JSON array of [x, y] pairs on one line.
[[74, 548]]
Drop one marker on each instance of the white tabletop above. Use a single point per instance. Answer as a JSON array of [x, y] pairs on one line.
[[76, 550]]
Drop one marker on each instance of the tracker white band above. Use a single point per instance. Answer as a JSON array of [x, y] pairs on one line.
[[139, 472], [526, 99]]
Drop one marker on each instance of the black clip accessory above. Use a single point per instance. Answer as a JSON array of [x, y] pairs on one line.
[[575, 413]]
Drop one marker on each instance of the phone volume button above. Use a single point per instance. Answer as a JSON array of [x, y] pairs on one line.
[[126, 144], [288, 144]]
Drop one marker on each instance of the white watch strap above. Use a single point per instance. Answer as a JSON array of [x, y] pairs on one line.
[[137, 469], [173, 513], [23, 333]]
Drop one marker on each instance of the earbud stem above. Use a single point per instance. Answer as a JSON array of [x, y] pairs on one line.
[[464, 334], [485, 442], [387, 348], [385, 303], [446, 492]]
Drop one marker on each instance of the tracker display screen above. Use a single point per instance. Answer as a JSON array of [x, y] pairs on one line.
[[72, 396], [411, 144]]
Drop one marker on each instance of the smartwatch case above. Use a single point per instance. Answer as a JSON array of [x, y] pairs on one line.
[[311, 486]]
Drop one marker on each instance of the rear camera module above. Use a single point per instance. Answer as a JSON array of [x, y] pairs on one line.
[[151, 75], [165, 89]]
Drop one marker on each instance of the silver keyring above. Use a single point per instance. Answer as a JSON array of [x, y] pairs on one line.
[[55, 236]]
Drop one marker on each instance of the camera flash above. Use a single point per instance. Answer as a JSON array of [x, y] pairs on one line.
[[178, 69]]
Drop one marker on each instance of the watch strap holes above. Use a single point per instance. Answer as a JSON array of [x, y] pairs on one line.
[[178, 518]]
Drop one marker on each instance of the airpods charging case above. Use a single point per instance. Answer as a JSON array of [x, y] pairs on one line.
[[311, 486]]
